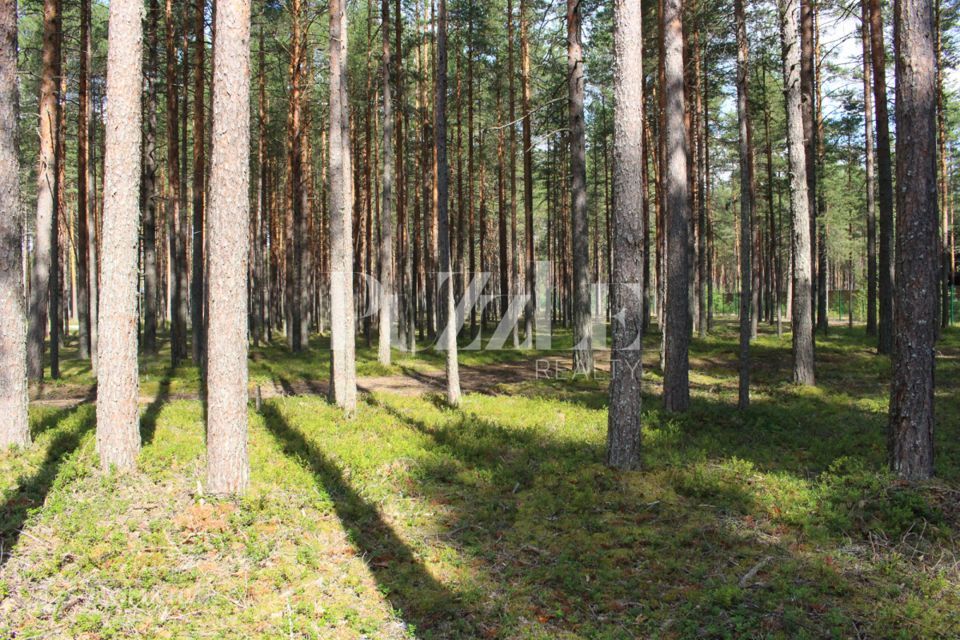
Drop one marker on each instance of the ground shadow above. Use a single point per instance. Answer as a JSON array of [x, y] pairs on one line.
[[148, 421], [424, 603], [32, 490]]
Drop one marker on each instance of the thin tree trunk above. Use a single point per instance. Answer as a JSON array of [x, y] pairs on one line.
[[807, 85], [228, 249], [199, 175], [884, 179], [870, 179], [624, 425], [149, 195], [449, 333], [802, 305], [343, 387], [178, 347], [676, 383], [530, 308], [386, 201], [746, 205], [118, 414], [15, 426], [582, 322], [45, 256]]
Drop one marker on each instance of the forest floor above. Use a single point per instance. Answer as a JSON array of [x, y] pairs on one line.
[[495, 520]]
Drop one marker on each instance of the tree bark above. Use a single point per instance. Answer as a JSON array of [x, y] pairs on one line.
[[15, 426], [802, 305], [343, 387], [914, 357], [870, 177], [118, 414], [45, 258], [676, 382], [386, 201], [884, 179], [178, 337], [227, 247], [149, 193], [582, 322], [199, 175], [624, 425], [449, 333], [530, 308], [747, 323]]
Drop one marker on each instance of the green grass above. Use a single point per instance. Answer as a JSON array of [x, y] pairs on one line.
[[498, 520]]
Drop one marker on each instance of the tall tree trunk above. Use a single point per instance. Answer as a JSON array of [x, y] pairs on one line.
[[199, 175], [260, 275], [946, 277], [802, 305], [118, 412], [624, 426], [746, 205], [884, 179], [676, 382], [15, 426], [530, 308], [343, 387], [914, 358], [871, 185], [386, 201], [149, 194], [45, 258], [228, 249], [449, 332], [823, 266], [807, 86], [178, 337], [294, 248], [582, 322]]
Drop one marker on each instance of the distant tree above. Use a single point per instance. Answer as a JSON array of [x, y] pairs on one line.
[[530, 308], [149, 205], [199, 180], [676, 382], [15, 425], [118, 412], [227, 247], [175, 222], [914, 358], [624, 427], [869, 171]]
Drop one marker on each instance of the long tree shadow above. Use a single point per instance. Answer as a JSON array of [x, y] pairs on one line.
[[148, 421], [423, 602], [32, 490]]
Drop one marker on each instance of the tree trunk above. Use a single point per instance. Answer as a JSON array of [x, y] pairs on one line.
[[178, 337], [45, 256], [676, 383], [530, 308], [118, 413], [914, 358], [343, 387], [199, 175], [15, 426], [386, 213], [624, 425], [228, 249], [946, 277], [802, 305], [449, 332], [746, 205], [149, 193], [582, 322], [884, 179], [870, 179], [807, 73]]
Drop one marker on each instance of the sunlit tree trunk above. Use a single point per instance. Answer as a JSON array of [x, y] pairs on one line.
[[15, 425], [386, 202], [747, 323], [343, 387], [118, 413], [802, 304], [530, 308], [226, 353]]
